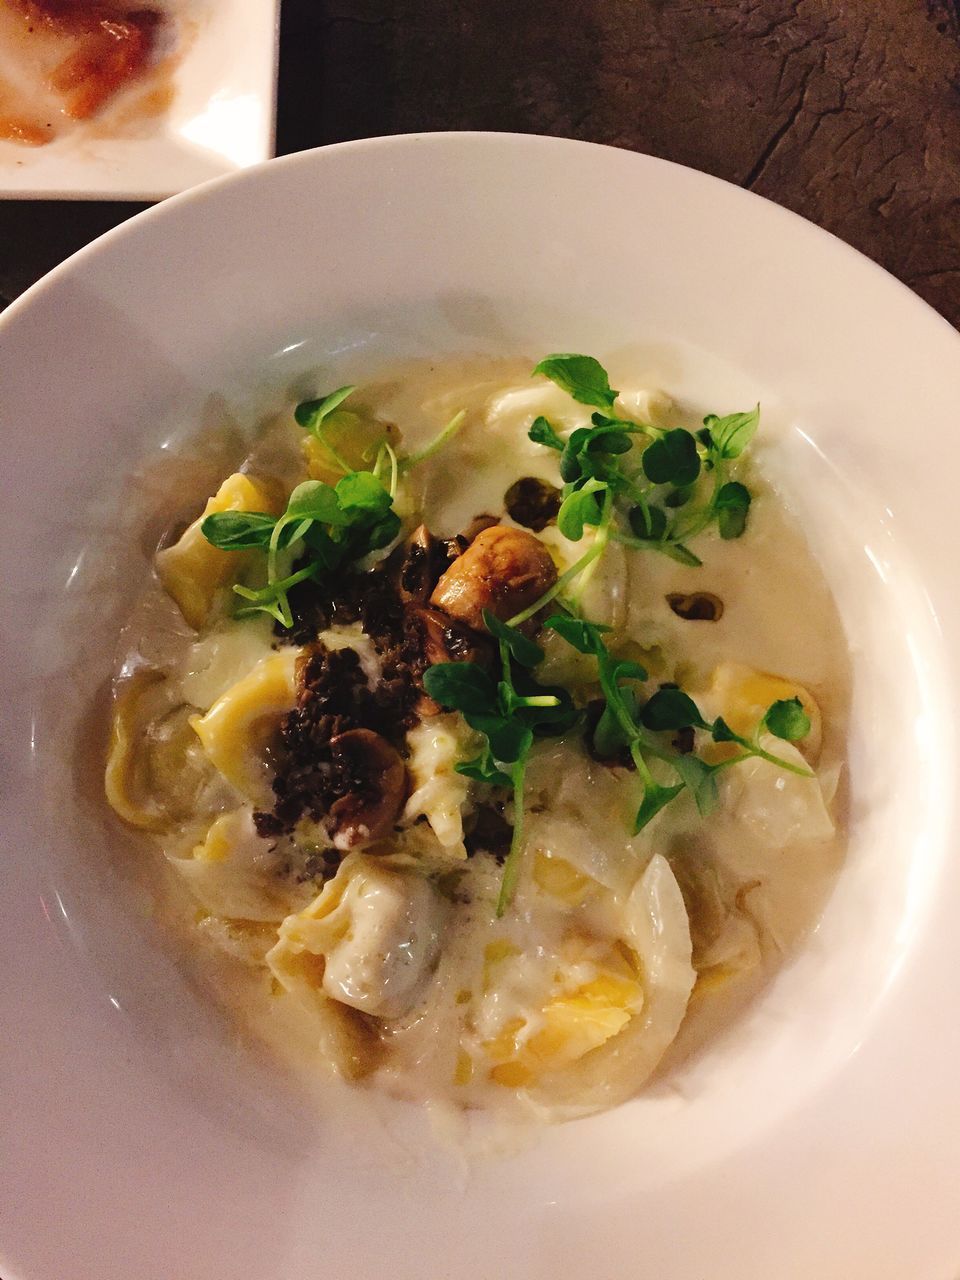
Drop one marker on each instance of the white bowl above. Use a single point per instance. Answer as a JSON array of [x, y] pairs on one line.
[[817, 1136]]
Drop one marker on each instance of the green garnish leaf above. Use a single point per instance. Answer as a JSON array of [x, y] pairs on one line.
[[679, 497], [541, 432], [787, 719], [238, 530], [671, 708], [582, 377], [461, 686], [586, 637], [672, 459], [732, 504], [483, 769], [701, 782], [314, 500], [681, 553], [521, 648], [570, 465], [722, 732], [311, 413], [579, 508], [655, 797], [510, 740], [361, 491], [731, 435]]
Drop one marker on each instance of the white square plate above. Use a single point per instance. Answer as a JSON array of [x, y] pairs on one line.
[[221, 117]]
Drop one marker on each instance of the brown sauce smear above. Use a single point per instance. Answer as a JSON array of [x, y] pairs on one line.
[[86, 52]]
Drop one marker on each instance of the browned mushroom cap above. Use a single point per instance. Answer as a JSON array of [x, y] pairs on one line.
[[700, 606], [503, 570], [375, 780]]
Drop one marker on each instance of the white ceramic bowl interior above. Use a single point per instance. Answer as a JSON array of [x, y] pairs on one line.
[[817, 1136]]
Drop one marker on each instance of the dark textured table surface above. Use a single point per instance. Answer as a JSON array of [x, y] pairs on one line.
[[847, 111]]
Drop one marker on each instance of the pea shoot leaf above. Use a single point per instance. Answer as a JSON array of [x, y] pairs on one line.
[[315, 500], [732, 504], [579, 508], [541, 432], [671, 708], [461, 686], [238, 530], [787, 719], [311, 413], [729, 436], [672, 459], [700, 779], [655, 797], [582, 377], [483, 769], [586, 637], [648, 523]]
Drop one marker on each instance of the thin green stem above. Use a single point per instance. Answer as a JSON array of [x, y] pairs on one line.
[[428, 450], [758, 752], [341, 462], [636, 754], [511, 867], [599, 546], [557, 587]]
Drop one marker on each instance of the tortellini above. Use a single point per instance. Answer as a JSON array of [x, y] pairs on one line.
[[192, 571], [365, 944], [233, 873], [585, 1029], [237, 729], [156, 772]]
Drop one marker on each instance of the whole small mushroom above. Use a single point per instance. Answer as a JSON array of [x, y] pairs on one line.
[[376, 787], [504, 570]]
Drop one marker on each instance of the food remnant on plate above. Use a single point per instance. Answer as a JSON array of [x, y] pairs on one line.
[[65, 60], [500, 758]]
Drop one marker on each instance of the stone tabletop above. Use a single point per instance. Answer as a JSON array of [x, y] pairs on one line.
[[847, 111]]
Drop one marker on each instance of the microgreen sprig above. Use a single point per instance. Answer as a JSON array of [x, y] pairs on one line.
[[331, 525], [510, 712], [627, 721], [655, 502]]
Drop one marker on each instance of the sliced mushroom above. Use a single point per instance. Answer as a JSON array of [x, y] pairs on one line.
[[418, 572], [700, 606], [423, 560], [504, 570], [533, 503], [375, 783]]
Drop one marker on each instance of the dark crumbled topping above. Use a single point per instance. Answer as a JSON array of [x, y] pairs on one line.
[[489, 832], [683, 741], [334, 697]]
